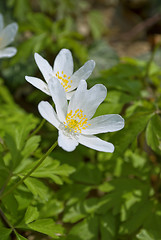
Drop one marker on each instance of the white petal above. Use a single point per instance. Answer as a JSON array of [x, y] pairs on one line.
[[44, 67], [59, 97], [8, 52], [1, 22], [69, 95], [105, 123], [38, 83], [47, 112], [95, 143], [7, 35], [87, 100], [67, 143], [83, 73], [64, 62]]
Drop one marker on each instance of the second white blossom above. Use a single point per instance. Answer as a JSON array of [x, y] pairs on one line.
[[63, 71]]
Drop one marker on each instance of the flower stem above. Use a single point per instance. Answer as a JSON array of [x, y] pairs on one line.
[[5, 184], [30, 172], [7, 222], [5, 219], [38, 128]]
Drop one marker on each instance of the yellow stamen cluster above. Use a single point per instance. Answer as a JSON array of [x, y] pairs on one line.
[[77, 121], [64, 80]]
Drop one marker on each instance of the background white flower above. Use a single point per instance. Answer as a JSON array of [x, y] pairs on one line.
[[7, 36], [74, 121], [62, 70]]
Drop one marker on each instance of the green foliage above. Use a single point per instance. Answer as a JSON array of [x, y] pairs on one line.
[[51, 229], [5, 232], [153, 134]]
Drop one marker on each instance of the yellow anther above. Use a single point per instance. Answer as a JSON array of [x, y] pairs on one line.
[[75, 121], [64, 80]]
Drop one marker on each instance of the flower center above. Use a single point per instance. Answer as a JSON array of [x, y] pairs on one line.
[[76, 121], [64, 80]]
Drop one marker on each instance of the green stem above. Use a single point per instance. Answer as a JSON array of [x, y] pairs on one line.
[[38, 128], [6, 220], [30, 172], [5, 184]]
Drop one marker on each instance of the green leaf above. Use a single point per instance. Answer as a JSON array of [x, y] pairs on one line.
[[124, 77], [19, 237], [152, 223], [11, 204], [48, 227], [31, 214], [153, 134], [3, 175], [133, 127], [51, 209], [5, 94], [31, 45], [38, 188], [108, 227], [74, 193], [4, 233], [15, 153], [86, 230], [114, 103], [136, 220], [88, 173], [39, 23], [144, 235], [51, 168], [23, 198], [74, 213], [23, 130], [31, 145]]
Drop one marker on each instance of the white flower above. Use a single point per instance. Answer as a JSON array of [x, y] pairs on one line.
[[74, 121], [62, 70], [7, 36]]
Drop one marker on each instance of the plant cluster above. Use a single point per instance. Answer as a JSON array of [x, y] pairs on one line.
[[70, 191]]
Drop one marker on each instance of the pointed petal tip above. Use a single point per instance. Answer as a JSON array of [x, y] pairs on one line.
[[121, 120], [92, 63], [112, 148], [36, 55], [15, 26], [65, 50]]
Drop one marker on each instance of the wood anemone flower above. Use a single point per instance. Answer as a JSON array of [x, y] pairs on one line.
[[62, 70], [7, 36], [73, 119]]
